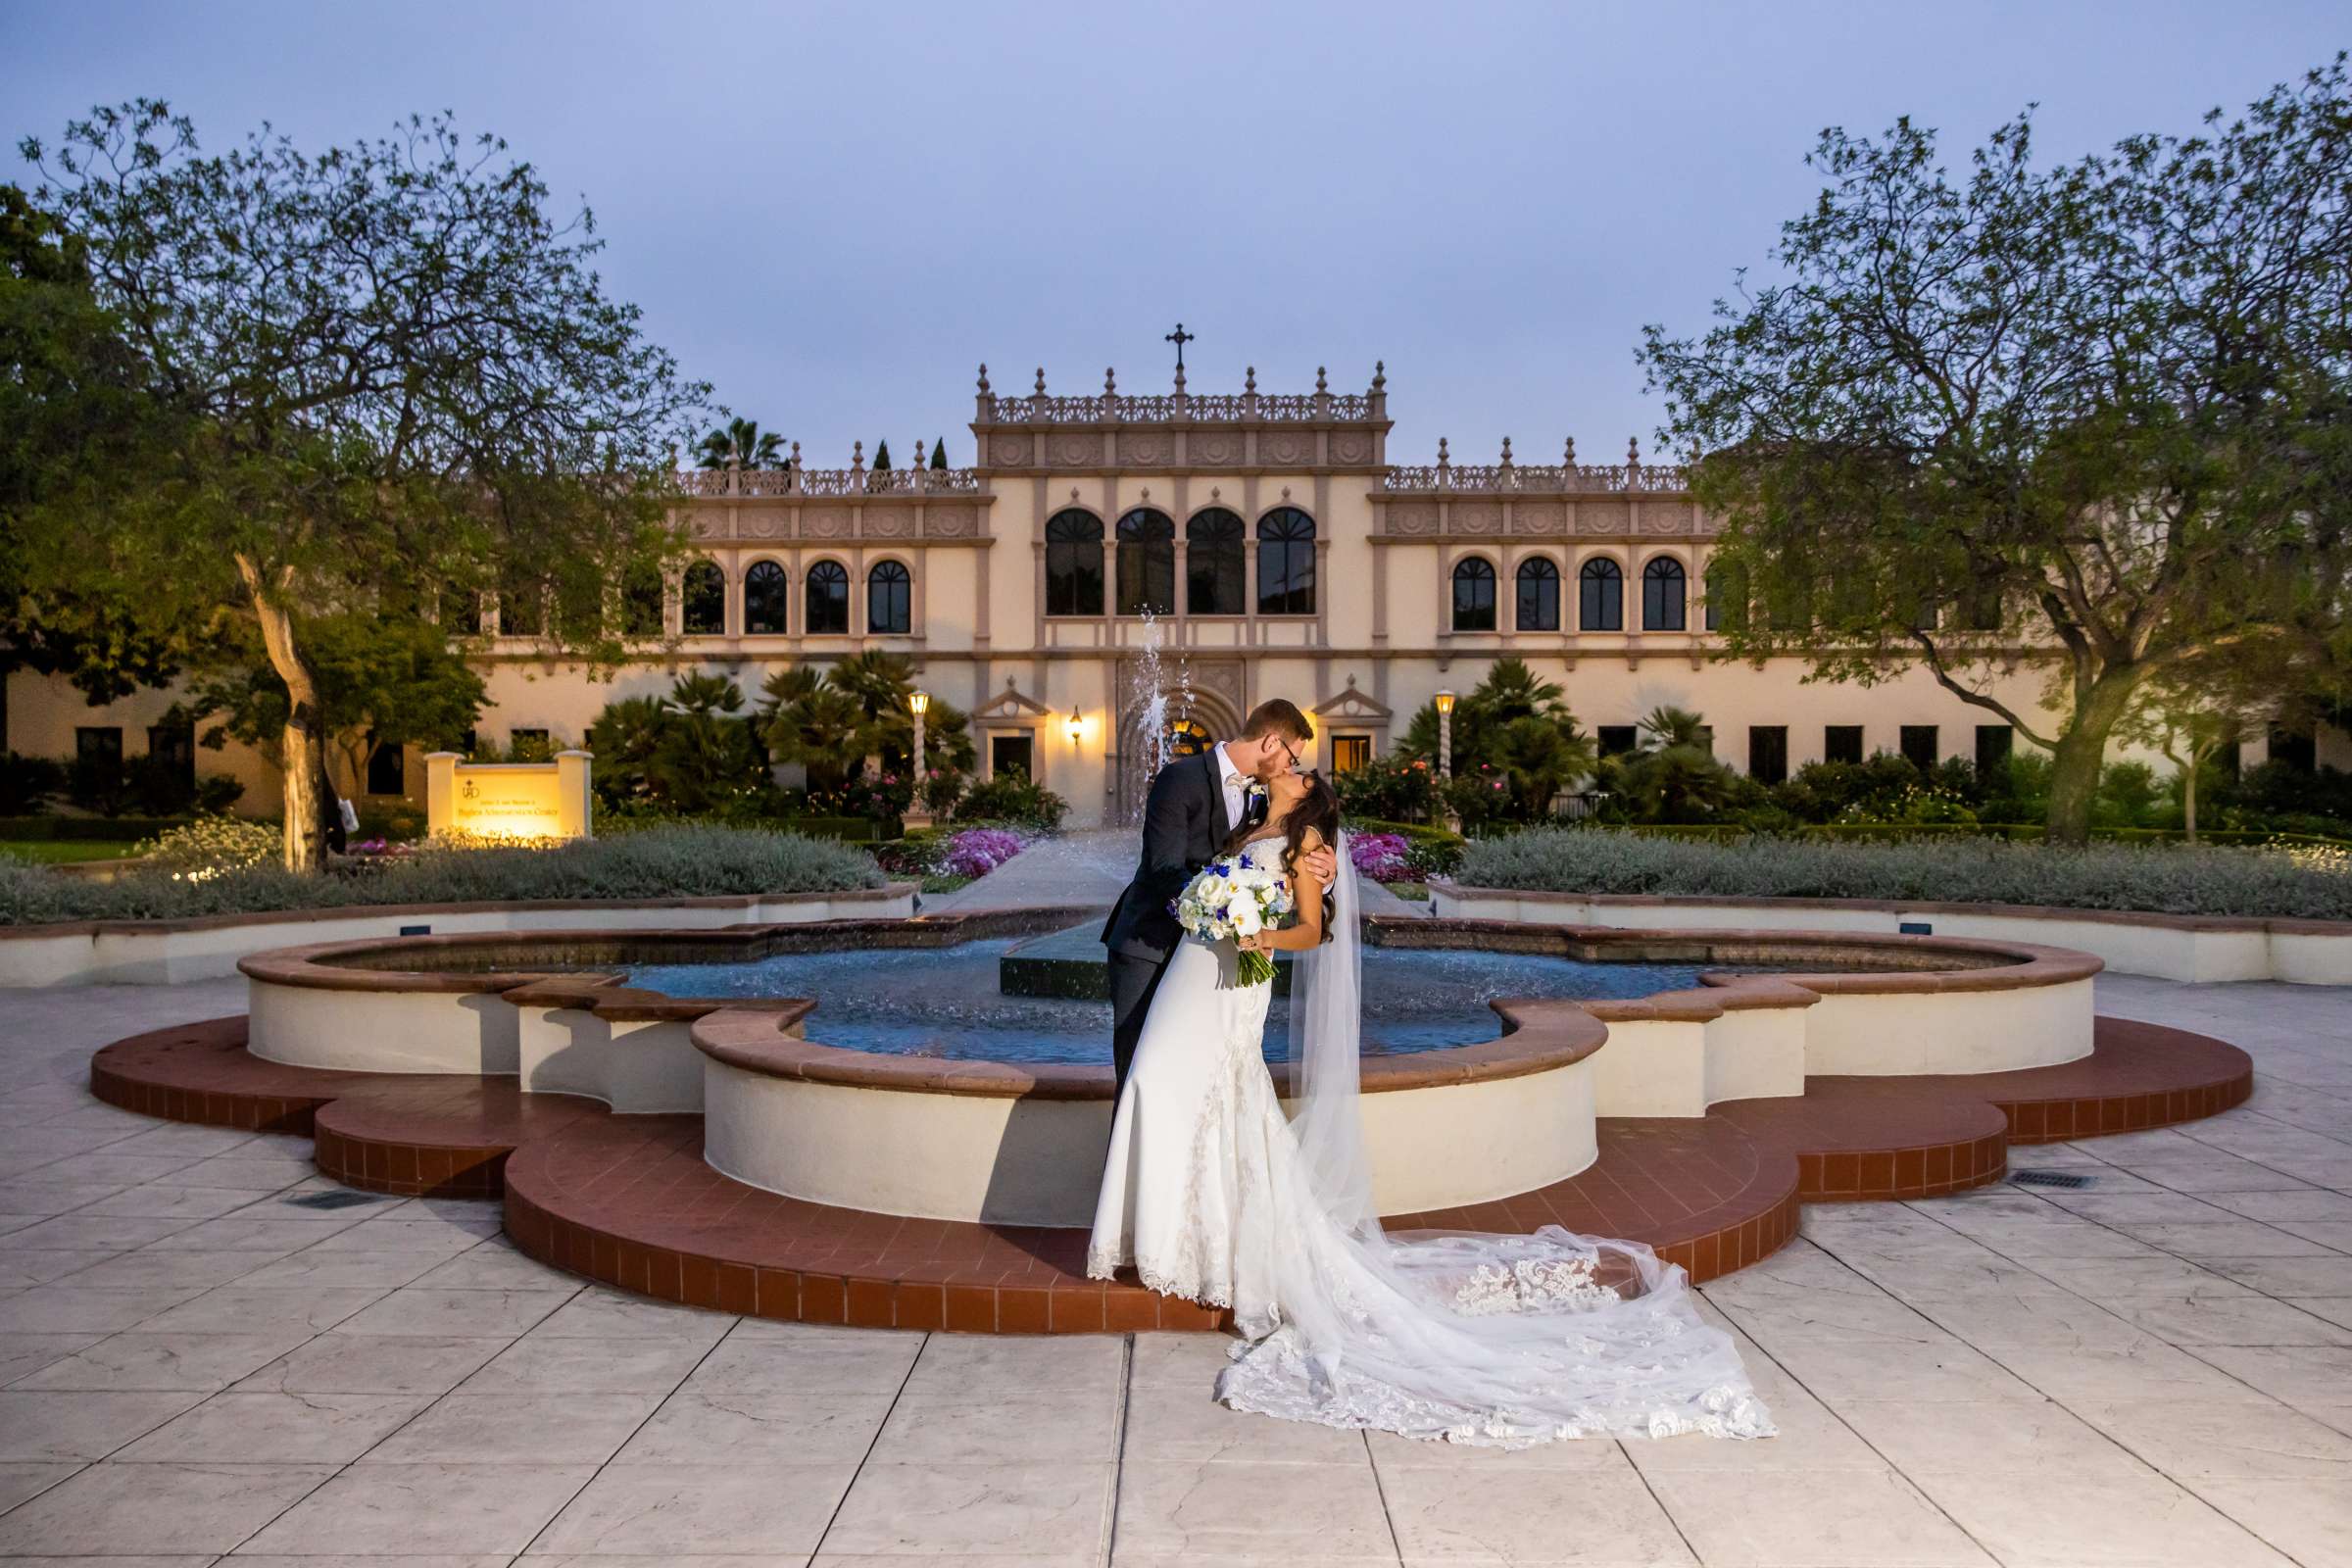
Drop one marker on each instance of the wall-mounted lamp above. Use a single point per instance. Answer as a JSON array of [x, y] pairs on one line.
[[1077, 728]]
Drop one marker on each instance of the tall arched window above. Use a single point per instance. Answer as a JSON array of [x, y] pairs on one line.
[[1474, 594], [827, 609], [1073, 564], [1285, 562], [1664, 590], [889, 599], [641, 596], [766, 591], [1146, 564], [704, 609], [1215, 569], [1599, 596], [1538, 607]]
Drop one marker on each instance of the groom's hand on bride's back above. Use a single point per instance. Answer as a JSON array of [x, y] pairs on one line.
[[1320, 864]]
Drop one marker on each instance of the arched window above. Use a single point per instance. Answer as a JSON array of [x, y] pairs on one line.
[[1216, 567], [1539, 595], [1727, 596], [704, 609], [1599, 596], [828, 604], [1474, 594], [640, 595], [1664, 590], [1285, 562], [1146, 564], [766, 590], [1073, 564], [889, 599]]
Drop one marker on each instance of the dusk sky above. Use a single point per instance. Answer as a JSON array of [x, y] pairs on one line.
[[834, 213]]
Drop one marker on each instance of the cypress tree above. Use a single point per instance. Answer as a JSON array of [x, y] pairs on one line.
[[939, 453]]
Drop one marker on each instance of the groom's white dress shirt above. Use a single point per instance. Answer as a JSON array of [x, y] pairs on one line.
[[1236, 785]]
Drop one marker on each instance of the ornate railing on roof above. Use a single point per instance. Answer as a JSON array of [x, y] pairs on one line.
[[1447, 477], [852, 481], [1248, 406]]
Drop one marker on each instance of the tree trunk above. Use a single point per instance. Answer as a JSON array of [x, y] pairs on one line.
[[2188, 795], [303, 753], [2082, 754]]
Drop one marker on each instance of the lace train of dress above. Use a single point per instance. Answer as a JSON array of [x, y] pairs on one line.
[[1497, 1339]]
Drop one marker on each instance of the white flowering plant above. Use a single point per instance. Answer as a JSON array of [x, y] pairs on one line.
[[1230, 899]]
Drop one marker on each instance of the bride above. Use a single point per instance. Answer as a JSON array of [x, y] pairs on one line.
[[1212, 1194]]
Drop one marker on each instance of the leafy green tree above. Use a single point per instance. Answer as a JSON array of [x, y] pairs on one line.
[[809, 721], [624, 739], [2095, 416], [1495, 727], [1673, 776], [740, 444], [378, 679], [388, 374], [2192, 712], [1541, 758]]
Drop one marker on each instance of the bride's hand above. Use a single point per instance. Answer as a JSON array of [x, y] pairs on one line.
[[1263, 942]]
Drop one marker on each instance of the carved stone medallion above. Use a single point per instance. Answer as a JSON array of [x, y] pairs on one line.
[[1413, 517], [888, 522], [1139, 449], [1351, 446], [826, 523], [1217, 446], [1477, 517], [1078, 449], [770, 525], [1009, 450], [1285, 446], [952, 522], [1539, 517]]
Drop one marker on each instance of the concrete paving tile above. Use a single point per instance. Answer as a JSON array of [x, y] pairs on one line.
[[159, 1267], [1185, 1360], [2056, 1321], [544, 1429], [1047, 1425], [2146, 1371], [2296, 1373], [375, 1363], [2310, 1520], [983, 1363], [126, 1509], [1229, 1512], [85, 1231], [243, 1233], [2251, 1320], [597, 1314], [1835, 1372], [375, 1509], [722, 1425], [752, 1366], [277, 1429], [673, 1509], [415, 1309], [22, 1269], [1189, 1426], [537, 1364], [1811, 1519], [1994, 1439], [21, 1353], [20, 1481], [1530, 1516], [244, 1172], [2197, 1439], [208, 1362], [2289, 1276], [495, 1268], [72, 1309], [243, 1308], [381, 1271], [2070, 1520], [998, 1506]]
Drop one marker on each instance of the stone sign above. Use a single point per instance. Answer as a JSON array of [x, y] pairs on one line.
[[508, 800]]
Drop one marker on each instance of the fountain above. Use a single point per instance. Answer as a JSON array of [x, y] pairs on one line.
[[1157, 710]]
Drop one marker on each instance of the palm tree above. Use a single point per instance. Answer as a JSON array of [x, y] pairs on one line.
[[624, 737], [704, 695], [1541, 757], [1674, 776], [741, 445], [808, 721]]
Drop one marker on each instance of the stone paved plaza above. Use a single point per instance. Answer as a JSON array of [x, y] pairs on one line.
[[199, 1359]]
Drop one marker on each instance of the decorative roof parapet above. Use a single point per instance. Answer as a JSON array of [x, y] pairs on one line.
[[1567, 477], [799, 482], [1112, 407]]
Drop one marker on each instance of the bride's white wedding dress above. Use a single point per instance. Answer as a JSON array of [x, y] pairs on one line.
[[1214, 1195]]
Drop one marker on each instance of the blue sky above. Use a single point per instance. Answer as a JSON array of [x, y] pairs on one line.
[[833, 213]]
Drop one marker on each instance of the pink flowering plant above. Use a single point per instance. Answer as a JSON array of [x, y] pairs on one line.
[[1381, 856], [978, 851]]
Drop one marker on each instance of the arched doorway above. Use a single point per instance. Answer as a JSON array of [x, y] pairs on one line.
[[1192, 726]]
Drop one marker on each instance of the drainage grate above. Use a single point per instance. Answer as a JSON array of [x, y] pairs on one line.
[[2036, 1177], [333, 1200]]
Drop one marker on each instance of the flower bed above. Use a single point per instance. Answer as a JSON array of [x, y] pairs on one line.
[[654, 864], [2301, 882]]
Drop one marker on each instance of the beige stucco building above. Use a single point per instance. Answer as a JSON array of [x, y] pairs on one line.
[[1281, 550]]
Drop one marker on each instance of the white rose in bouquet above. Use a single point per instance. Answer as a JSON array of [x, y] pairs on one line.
[[1228, 900]]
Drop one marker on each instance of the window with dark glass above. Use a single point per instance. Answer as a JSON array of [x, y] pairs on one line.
[[1538, 607], [1010, 756], [704, 608], [1215, 564], [1919, 745], [1073, 564], [1768, 753], [1146, 564], [99, 743], [826, 610], [460, 613], [2298, 750], [387, 768], [1349, 752], [889, 599], [1474, 594], [1664, 592], [1601, 596], [1841, 743], [1617, 739], [1285, 562], [641, 596], [1994, 742], [522, 610], [174, 747], [765, 593]]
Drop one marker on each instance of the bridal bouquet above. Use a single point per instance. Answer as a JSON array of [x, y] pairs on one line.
[[1233, 899]]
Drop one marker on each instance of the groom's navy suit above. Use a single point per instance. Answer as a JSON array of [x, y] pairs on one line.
[[1185, 826]]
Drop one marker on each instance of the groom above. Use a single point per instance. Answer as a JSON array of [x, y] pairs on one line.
[[1196, 804]]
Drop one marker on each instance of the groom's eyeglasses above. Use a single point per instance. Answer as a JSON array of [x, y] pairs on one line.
[[1289, 751]]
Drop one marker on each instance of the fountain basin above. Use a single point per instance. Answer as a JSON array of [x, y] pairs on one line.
[[1021, 1143]]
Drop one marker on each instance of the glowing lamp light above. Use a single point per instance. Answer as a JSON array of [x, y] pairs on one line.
[[1077, 728], [920, 702], [1446, 701]]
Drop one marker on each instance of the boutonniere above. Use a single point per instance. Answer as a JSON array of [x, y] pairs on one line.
[[1253, 788]]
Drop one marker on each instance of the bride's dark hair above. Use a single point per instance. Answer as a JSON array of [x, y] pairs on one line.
[[1317, 810]]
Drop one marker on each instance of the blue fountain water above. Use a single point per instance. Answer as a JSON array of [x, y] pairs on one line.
[[944, 1001]]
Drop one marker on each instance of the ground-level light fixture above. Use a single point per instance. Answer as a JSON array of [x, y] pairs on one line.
[[919, 702]]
